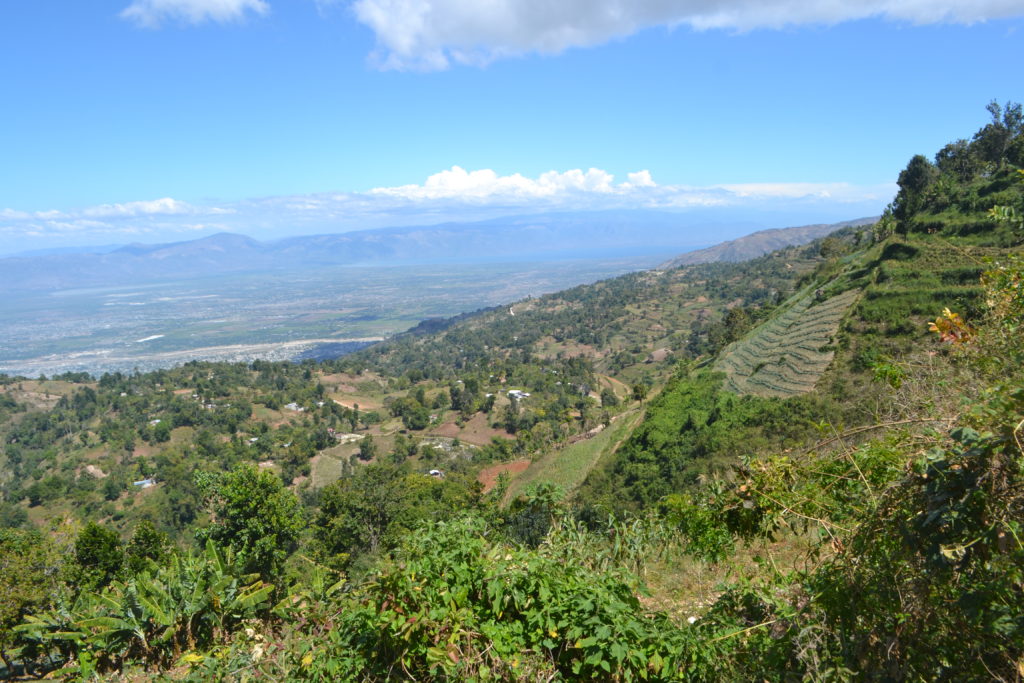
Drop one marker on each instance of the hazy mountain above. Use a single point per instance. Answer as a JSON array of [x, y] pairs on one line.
[[762, 242], [88, 249], [538, 237]]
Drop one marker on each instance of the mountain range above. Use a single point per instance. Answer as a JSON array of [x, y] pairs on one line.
[[533, 237]]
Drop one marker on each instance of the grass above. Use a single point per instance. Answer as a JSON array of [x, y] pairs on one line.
[[569, 466], [326, 470]]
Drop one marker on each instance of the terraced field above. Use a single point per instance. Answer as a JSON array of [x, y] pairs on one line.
[[788, 354]]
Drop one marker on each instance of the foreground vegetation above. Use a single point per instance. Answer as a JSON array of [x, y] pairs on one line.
[[862, 521]]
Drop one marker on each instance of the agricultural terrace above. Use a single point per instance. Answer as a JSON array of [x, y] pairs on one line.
[[787, 355]]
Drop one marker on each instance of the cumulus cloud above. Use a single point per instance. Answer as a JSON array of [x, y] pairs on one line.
[[153, 13], [577, 188], [432, 34], [458, 183]]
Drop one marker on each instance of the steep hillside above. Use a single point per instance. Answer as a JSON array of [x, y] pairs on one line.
[[837, 351]]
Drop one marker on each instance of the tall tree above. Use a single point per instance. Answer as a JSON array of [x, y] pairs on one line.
[[254, 515]]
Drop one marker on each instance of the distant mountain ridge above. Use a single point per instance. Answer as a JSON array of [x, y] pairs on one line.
[[600, 234], [762, 242]]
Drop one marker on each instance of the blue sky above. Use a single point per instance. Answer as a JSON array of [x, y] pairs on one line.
[[145, 120]]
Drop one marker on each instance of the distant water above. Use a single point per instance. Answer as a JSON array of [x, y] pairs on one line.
[[331, 350]]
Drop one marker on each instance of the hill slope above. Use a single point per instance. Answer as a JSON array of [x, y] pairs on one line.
[[762, 242]]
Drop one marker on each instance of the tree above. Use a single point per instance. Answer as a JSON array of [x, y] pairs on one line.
[[993, 140], [254, 515], [162, 432], [98, 555], [913, 181], [31, 573], [639, 392], [381, 503], [12, 516], [367, 448], [958, 160], [608, 398], [112, 489], [737, 321], [403, 449], [147, 543]]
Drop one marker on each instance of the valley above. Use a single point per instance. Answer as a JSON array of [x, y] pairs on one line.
[[284, 314]]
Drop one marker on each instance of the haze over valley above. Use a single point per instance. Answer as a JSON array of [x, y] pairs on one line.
[[228, 297]]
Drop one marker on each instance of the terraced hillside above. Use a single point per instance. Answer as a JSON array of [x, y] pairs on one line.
[[789, 353]]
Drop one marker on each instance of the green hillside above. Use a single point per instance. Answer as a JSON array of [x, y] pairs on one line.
[[808, 466]]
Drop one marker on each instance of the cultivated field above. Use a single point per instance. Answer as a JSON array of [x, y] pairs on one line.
[[787, 355]]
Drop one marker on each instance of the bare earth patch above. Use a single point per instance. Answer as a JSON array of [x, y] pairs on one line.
[[477, 431], [489, 475]]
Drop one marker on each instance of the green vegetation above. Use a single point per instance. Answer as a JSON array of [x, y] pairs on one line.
[[568, 467], [835, 443]]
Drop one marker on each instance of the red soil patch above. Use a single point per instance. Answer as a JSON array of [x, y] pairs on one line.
[[489, 475]]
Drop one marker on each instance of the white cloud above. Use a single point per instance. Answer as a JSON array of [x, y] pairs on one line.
[[153, 13], [432, 34], [165, 206], [455, 194], [577, 188], [109, 219], [833, 191], [458, 183]]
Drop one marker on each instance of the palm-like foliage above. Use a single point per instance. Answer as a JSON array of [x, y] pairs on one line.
[[192, 601]]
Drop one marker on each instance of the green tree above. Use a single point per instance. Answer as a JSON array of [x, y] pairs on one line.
[[147, 543], [98, 554], [367, 448], [994, 139], [162, 432], [958, 160], [112, 489], [254, 515], [379, 504], [31, 571], [913, 181], [609, 399]]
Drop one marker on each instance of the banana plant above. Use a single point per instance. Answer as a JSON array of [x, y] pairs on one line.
[[192, 601]]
